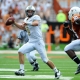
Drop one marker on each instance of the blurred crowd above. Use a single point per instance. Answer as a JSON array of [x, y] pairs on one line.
[[16, 8]]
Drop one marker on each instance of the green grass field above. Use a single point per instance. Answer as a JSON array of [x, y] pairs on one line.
[[9, 63], [4, 47]]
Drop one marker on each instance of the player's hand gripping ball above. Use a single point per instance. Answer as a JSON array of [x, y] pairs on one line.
[[9, 21]]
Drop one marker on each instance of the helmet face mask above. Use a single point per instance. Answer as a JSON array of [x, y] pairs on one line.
[[73, 11], [30, 10], [30, 13]]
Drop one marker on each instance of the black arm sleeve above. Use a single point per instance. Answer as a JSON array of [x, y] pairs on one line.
[[72, 33]]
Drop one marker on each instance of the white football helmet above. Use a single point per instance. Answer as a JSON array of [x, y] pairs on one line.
[[30, 10], [73, 10]]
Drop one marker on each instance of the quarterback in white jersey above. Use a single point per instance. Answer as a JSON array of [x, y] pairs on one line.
[[23, 38], [32, 26]]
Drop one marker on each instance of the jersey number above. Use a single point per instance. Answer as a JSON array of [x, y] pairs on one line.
[[28, 30]]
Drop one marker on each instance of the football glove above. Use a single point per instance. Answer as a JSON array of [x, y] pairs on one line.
[[77, 21], [66, 23]]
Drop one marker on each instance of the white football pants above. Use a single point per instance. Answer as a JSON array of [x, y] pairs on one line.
[[74, 45], [31, 56], [38, 46]]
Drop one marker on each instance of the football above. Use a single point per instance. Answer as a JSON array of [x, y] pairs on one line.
[[9, 21]]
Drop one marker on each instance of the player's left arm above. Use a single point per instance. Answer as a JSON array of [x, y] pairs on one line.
[[36, 20], [69, 30], [34, 23]]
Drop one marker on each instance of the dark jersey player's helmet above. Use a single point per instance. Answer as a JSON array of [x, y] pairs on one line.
[[73, 11]]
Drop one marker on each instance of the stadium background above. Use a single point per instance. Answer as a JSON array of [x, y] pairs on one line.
[[48, 10]]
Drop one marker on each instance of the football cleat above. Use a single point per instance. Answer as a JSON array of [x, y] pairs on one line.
[[78, 70], [57, 74], [36, 67], [20, 72]]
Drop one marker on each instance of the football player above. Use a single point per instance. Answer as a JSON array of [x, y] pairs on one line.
[[74, 19], [23, 38], [32, 25]]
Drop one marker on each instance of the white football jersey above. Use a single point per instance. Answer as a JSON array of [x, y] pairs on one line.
[[34, 32]]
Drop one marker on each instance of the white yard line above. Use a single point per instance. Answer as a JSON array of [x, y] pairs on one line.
[[8, 51], [31, 76], [13, 70], [15, 52], [5, 69], [35, 77]]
